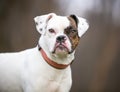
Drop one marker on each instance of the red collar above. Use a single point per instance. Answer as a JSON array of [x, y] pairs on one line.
[[51, 62]]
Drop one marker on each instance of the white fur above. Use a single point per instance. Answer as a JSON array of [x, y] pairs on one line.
[[27, 71], [82, 26]]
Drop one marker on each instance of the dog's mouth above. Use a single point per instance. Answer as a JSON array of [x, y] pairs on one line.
[[60, 48]]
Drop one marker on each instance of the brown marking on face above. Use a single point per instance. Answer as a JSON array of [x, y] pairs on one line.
[[72, 32], [73, 22]]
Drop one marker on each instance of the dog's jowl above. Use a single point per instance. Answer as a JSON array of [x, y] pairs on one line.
[[45, 68]]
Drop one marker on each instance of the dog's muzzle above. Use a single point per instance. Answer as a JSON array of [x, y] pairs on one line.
[[61, 45]]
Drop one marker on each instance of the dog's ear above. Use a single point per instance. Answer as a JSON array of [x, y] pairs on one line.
[[81, 23], [41, 22], [82, 26]]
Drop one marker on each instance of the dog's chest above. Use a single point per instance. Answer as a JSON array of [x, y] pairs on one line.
[[52, 86], [44, 78], [44, 84], [49, 82]]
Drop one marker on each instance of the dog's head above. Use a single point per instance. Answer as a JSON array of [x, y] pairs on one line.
[[60, 35]]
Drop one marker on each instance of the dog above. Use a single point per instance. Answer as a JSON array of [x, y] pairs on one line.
[[45, 68]]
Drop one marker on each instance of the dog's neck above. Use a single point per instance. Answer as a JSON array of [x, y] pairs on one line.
[[51, 62]]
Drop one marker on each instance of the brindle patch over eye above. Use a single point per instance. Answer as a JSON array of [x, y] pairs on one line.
[[71, 32]]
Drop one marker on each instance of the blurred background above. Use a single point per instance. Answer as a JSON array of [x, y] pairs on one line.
[[97, 64]]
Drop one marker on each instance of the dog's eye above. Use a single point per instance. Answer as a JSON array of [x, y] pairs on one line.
[[73, 30], [51, 30]]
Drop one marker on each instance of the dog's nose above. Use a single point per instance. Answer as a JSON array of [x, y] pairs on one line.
[[61, 38]]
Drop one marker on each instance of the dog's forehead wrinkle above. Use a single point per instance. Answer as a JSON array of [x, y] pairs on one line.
[[58, 23]]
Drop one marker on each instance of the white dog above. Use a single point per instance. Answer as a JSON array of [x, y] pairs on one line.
[[45, 68]]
